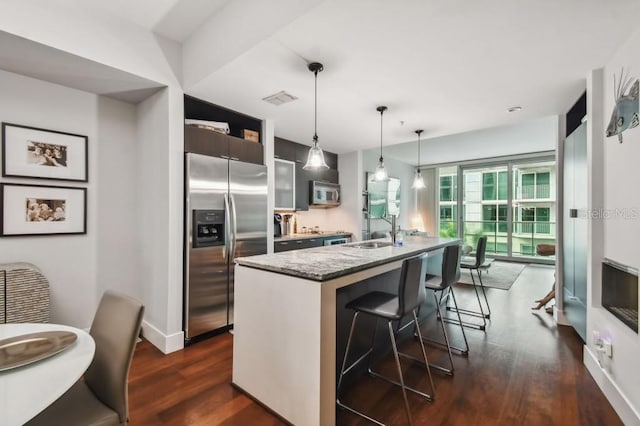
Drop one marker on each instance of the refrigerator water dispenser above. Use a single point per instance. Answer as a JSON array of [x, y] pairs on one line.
[[209, 228]]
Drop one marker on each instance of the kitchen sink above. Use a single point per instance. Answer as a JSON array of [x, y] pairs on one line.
[[371, 245]]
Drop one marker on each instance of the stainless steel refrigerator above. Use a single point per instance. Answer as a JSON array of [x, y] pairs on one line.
[[225, 218]]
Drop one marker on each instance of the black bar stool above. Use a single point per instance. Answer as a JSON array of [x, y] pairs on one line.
[[444, 283], [391, 307], [476, 265]]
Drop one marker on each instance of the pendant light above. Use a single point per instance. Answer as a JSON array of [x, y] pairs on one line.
[[315, 158], [381, 174], [418, 181]]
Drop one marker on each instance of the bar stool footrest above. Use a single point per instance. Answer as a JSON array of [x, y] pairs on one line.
[[468, 312], [397, 383], [465, 324], [358, 413], [447, 371], [463, 352]]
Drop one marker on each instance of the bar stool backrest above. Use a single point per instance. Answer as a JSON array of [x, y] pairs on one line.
[[450, 266], [411, 290], [481, 250]]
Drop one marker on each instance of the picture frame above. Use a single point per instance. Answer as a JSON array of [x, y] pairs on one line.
[[32, 152], [42, 210]]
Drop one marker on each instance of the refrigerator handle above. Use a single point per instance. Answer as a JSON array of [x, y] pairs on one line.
[[235, 227], [227, 228]]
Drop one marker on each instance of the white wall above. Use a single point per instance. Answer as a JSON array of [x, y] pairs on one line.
[[620, 376], [80, 267], [117, 265], [532, 136], [130, 48]]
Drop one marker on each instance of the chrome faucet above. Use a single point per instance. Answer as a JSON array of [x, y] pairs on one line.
[[393, 229]]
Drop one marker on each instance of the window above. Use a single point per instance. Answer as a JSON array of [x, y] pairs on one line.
[[494, 213], [511, 203], [528, 185], [494, 186], [489, 218], [502, 218], [502, 186], [448, 213], [528, 216], [543, 189], [448, 188], [488, 186], [526, 249], [536, 185], [542, 215], [448, 221]]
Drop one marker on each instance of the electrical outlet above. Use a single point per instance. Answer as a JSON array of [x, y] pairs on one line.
[[608, 348]]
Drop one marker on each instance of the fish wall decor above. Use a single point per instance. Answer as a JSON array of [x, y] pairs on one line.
[[625, 110]]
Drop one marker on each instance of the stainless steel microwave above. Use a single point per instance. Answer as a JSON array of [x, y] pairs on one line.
[[324, 194]]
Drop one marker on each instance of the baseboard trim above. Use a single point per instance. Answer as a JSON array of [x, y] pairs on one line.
[[621, 404], [559, 317], [166, 343]]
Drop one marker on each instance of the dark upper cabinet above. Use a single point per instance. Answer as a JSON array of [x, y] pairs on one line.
[[302, 152], [331, 159], [287, 150], [247, 151], [284, 149], [302, 187], [296, 152], [214, 144], [207, 142]]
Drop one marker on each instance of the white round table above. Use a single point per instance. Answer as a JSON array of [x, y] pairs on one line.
[[27, 390]]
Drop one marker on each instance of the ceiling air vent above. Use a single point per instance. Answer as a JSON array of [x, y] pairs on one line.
[[280, 98]]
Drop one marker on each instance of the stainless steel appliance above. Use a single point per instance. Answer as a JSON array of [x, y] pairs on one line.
[[324, 194], [277, 221], [226, 217], [336, 240]]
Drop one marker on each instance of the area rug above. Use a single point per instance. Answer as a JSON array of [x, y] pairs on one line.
[[500, 275]]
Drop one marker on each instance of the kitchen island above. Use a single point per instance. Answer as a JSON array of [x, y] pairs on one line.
[[284, 351]]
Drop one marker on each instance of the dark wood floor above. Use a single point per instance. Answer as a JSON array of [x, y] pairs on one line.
[[523, 371]]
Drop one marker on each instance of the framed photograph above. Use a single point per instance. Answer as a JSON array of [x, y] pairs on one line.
[[44, 154], [42, 210]]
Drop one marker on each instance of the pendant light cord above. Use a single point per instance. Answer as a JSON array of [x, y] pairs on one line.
[[315, 123], [419, 133], [381, 112], [418, 151]]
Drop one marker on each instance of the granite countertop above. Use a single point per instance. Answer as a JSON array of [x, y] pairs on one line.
[[328, 262], [306, 236]]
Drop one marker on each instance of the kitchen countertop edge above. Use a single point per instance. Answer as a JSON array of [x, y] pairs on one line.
[[400, 253]]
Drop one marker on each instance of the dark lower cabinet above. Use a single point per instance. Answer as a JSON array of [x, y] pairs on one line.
[[279, 246]]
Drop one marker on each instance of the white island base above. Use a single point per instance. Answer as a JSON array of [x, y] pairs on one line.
[[284, 349]]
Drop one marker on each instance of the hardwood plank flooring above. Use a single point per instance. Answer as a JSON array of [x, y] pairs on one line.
[[523, 370]]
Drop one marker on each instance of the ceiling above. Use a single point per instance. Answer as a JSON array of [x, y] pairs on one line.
[[174, 19], [443, 66], [446, 66], [26, 57]]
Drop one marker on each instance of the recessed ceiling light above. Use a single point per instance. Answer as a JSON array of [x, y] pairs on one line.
[[514, 109], [280, 98]]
